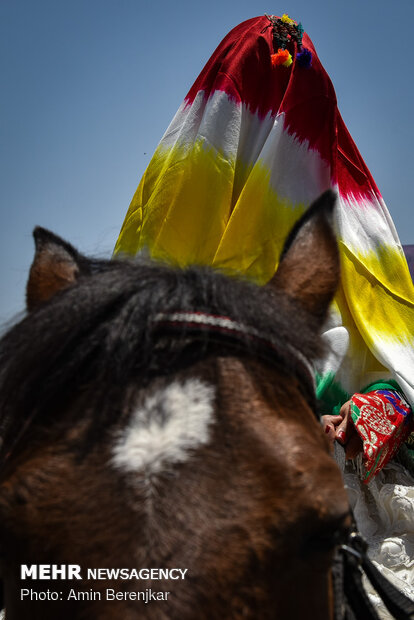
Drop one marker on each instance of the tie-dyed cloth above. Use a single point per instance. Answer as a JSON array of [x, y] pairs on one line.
[[257, 138]]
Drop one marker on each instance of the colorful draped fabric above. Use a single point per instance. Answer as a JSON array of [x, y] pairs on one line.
[[254, 142]]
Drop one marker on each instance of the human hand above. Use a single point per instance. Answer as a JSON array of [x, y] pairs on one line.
[[341, 428], [330, 424]]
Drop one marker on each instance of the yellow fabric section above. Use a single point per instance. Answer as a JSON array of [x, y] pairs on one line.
[[380, 292], [179, 212], [257, 229], [195, 214], [361, 361]]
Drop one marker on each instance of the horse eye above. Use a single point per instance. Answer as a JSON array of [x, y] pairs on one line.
[[326, 542], [327, 538]]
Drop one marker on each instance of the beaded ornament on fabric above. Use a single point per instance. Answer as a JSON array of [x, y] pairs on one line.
[[286, 31]]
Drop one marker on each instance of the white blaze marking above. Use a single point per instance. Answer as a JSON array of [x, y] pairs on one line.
[[169, 423]]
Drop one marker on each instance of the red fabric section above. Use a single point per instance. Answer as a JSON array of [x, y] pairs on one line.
[[352, 172], [383, 420], [241, 66]]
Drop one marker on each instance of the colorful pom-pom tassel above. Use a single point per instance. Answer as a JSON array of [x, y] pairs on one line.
[[286, 19], [304, 58], [282, 57]]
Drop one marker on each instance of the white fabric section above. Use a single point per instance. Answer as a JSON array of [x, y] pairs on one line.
[[406, 387], [184, 126], [216, 119], [254, 132], [384, 511], [337, 360], [395, 356], [336, 343], [230, 127], [398, 357], [169, 424], [297, 173], [364, 224]]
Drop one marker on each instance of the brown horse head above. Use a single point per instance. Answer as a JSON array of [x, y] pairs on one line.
[[161, 453]]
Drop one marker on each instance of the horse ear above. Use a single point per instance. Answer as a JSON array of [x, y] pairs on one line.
[[309, 269], [56, 265]]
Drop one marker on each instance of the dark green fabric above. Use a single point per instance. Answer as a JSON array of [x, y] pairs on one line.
[[388, 384], [329, 393]]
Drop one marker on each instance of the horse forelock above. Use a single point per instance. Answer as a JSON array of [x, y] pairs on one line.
[[97, 337]]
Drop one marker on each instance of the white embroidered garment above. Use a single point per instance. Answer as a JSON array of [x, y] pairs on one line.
[[384, 512]]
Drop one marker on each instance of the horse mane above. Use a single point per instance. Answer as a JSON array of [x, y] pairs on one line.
[[100, 332]]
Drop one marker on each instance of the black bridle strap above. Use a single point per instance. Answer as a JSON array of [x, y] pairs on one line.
[[399, 605], [356, 560], [355, 593], [228, 331]]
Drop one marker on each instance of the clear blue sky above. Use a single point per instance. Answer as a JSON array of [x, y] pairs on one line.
[[88, 87]]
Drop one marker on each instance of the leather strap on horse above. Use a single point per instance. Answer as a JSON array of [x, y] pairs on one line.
[[227, 332], [355, 563]]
